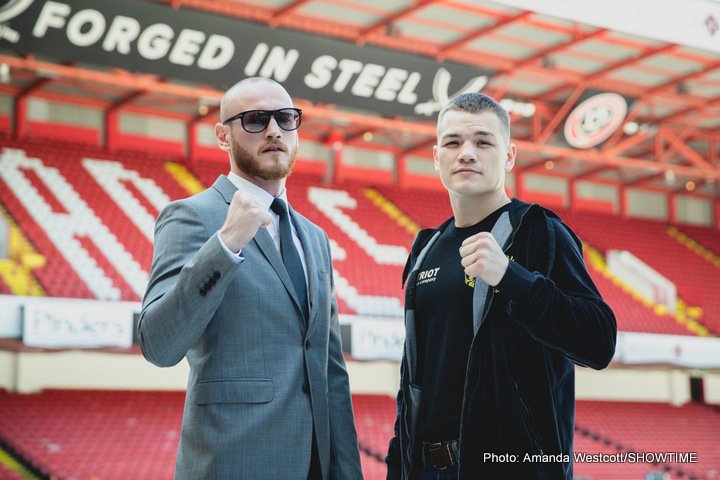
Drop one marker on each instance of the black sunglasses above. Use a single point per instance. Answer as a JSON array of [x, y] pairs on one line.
[[255, 121]]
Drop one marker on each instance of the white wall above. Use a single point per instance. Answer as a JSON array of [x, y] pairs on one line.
[[87, 369], [546, 184], [421, 165], [598, 191], [633, 384], [647, 204], [6, 105], [29, 371], [711, 382], [696, 211], [359, 157], [205, 135], [159, 128], [313, 151], [45, 111], [374, 377], [8, 370]]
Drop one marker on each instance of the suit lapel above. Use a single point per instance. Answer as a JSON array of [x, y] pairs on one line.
[[270, 252], [310, 264], [262, 239]]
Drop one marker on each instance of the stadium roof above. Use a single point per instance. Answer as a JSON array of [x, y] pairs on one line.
[[544, 63]]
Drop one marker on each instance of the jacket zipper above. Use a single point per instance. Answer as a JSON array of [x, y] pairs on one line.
[[467, 368], [531, 427], [515, 230], [408, 447], [472, 345], [526, 411]]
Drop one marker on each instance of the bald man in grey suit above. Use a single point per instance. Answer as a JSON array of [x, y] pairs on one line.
[[255, 316]]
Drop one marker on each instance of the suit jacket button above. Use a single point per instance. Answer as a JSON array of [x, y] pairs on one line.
[[216, 275], [203, 292]]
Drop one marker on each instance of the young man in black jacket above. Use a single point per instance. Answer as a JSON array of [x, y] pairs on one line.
[[499, 308]]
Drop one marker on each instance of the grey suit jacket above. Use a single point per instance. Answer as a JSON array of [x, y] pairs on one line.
[[260, 381]]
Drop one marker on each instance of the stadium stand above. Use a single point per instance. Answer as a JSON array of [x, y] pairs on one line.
[[371, 467], [707, 238], [430, 208], [357, 215], [695, 278], [91, 206], [7, 474], [61, 433], [656, 427], [632, 314], [594, 444], [116, 179], [133, 434], [84, 434], [375, 419], [94, 434]]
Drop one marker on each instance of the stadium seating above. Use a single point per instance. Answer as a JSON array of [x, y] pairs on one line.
[[591, 470], [707, 237], [8, 474], [696, 279], [374, 420], [601, 427], [64, 433], [134, 434], [105, 434], [655, 427], [90, 203], [430, 208], [632, 315], [94, 434], [371, 467], [351, 213]]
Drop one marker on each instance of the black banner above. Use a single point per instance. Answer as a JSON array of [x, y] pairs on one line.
[[219, 51]]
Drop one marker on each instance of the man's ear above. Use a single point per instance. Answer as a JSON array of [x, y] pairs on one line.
[[222, 135], [435, 160], [511, 155]]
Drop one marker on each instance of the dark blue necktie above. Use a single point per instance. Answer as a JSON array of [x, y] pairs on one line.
[[290, 255]]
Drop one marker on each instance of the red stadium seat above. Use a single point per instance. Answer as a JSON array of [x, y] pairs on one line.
[[366, 286]]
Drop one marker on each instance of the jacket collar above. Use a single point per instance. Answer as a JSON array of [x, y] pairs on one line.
[[225, 187], [517, 211]]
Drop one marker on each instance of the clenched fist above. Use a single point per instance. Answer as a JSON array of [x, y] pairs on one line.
[[245, 216], [482, 257]]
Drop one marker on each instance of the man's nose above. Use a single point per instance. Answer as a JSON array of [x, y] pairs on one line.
[[273, 129], [467, 153]]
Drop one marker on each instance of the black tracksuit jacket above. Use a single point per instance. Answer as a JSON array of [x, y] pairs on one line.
[[542, 319]]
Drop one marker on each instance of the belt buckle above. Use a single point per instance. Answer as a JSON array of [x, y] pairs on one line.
[[441, 455]]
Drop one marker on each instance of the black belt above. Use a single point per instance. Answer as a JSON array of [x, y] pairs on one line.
[[440, 455]]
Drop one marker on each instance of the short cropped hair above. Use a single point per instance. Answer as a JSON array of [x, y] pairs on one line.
[[475, 102], [239, 87]]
